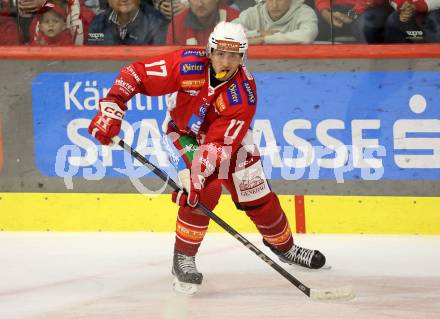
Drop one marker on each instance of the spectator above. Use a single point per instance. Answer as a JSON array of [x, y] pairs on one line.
[[8, 26], [193, 25], [26, 11], [362, 19], [78, 20], [52, 28], [126, 22], [280, 21], [413, 21], [164, 6], [103, 4]]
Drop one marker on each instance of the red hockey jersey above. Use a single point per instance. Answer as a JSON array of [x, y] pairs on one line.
[[358, 5], [224, 113], [422, 6]]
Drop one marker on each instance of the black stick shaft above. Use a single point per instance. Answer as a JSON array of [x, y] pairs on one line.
[[164, 176]]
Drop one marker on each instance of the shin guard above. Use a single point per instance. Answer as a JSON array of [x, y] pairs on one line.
[[191, 227], [192, 224], [272, 223]]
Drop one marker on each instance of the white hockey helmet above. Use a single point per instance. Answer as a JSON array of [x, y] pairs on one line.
[[228, 36]]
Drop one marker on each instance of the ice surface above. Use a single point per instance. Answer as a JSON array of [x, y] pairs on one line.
[[127, 275]]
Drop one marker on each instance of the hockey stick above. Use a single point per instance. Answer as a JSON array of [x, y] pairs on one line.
[[345, 292]]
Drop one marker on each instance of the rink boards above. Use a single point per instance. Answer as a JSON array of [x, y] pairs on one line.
[[360, 102], [135, 212]]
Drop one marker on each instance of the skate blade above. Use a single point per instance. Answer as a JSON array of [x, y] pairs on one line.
[[305, 269], [184, 287]]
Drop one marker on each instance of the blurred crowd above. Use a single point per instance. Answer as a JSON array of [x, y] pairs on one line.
[[189, 22]]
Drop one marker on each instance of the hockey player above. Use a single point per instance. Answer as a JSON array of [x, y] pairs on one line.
[[209, 142]]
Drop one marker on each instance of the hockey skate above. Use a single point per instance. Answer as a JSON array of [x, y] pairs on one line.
[[187, 279], [308, 258]]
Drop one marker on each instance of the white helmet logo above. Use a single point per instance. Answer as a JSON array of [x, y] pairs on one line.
[[225, 45]]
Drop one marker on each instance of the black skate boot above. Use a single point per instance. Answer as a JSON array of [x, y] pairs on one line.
[[304, 257], [186, 277]]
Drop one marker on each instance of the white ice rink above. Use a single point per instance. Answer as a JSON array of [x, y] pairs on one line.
[[127, 275]]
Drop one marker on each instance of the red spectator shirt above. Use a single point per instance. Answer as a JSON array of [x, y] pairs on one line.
[[62, 39], [358, 5], [422, 6], [225, 111], [8, 31], [185, 35]]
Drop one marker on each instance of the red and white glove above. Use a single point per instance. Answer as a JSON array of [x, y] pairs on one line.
[[107, 123], [192, 186]]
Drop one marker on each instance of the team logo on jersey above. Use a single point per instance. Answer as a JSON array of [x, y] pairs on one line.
[[220, 104], [192, 68], [202, 111], [193, 84], [249, 93], [194, 124], [233, 93], [252, 185], [192, 52]]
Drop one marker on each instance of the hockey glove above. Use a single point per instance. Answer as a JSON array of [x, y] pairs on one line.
[[107, 123], [190, 193], [207, 158]]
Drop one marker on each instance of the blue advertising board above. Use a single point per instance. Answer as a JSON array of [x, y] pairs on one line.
[[308, 125]]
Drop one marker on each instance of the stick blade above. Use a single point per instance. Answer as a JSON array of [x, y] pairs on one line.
[[341, 293]]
